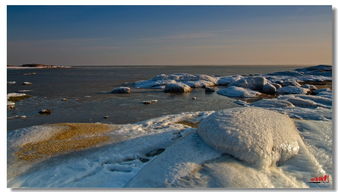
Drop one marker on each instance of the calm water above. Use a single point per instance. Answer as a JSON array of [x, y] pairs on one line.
[[86, 87]]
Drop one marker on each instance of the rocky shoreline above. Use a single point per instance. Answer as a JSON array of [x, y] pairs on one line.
[[283, 129]]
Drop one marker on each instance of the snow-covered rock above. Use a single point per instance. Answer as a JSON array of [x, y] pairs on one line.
[[194, 81], [292, 90], [254, 83], [317, 99], [199, 84], [269, 89], [291, 83], [238, 92], [228, 79], [286, 73], [121, 90], [177, 88], [152, 84], [299, 102], [257, 136], [277, 86], [321, 90], [268, 103], [308, 86]]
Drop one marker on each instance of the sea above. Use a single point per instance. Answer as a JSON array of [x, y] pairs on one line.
[[82, 94]]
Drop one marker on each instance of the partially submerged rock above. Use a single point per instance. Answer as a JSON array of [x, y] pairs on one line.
[[257, 136], [27, 83], [16, 96], [210, 89], [45, 112], [177, 88], [150, 102], [11, 82], [238, 92], [10, 105], [121, 90]]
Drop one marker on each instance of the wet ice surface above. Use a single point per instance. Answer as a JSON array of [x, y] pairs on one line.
[[185, 150]]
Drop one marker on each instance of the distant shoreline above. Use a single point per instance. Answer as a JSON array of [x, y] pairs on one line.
[[37, 66], [296, 65]]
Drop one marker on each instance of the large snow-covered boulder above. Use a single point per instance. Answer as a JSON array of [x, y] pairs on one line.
[[292, 90], [238, 92], [254, 83], [177, 88], [257, 136], [121, 90]]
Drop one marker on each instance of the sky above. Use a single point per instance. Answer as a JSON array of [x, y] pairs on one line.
[[170, 35]]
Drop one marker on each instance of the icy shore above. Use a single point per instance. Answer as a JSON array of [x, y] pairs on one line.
[[278, 142]]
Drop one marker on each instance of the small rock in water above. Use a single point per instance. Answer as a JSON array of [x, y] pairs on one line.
[[124, 90], [150, 102], [10, 105], [106, 117], [27, 83], [24, 91], [194, 98], [11, 82], [210, 89], [45, 111], [33, 73]]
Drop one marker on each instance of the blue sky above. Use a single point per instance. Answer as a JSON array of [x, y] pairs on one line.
[[170, 35]]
